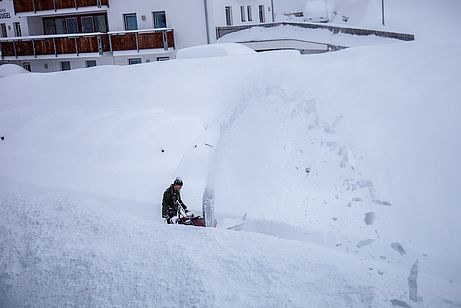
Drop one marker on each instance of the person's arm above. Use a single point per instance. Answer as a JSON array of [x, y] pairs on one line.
[[184, 206]]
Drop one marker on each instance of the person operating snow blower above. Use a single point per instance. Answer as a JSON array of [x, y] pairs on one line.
[[174, 211]]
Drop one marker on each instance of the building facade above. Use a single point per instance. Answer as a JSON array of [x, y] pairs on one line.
[[54, 35]]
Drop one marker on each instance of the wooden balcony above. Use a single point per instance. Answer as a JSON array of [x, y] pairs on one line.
[[27, 6], [141, 39], [85, 43]]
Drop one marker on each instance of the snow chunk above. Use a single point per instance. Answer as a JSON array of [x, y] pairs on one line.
[[399, 248], [365, 243], [369, 218]]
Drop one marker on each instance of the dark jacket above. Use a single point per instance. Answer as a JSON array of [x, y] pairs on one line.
[[169, 205]]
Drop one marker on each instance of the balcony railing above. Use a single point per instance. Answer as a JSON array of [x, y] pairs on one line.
[[76, 44], [23, 6]]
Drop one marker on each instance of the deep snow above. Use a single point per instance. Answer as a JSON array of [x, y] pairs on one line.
[[347, 164]]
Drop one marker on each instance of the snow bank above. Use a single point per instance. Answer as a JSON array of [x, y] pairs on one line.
[[214, 50], [11, 69], [59, 250]]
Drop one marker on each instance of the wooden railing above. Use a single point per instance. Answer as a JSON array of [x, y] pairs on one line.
[[87, 43], [141, 39], [23, 6]]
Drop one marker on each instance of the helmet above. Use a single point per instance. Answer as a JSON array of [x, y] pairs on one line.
[[178, 181]]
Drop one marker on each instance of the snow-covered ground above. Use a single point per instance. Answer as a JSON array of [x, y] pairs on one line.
[[347, 164]]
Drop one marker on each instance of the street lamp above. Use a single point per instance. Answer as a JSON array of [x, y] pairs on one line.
[[382, 11]]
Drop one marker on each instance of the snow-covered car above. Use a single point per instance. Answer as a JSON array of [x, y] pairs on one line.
[[316, 11]]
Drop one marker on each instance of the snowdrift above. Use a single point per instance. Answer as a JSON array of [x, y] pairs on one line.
[[11, 69]]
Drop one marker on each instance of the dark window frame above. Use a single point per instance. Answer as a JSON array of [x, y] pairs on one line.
[[3, 30], [79, 22], [243, 17], [96, 23], [92, 62], [262, 14], [228, 15], [17, 29], [65, 68], [125, 21], [134, 61], [82, 24], [27, 66], [159, 13], [72, 18]]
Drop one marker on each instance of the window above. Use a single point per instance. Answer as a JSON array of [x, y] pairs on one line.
[[130, 22], [87, 24], [3, 29], [72, 25], [17, 29], [243, 13], [91, 63], [160, 19], [100, 24], [250, 16], [48, 26], [60, 26], [75, 24], [228, 15], [134, 61], [65, 66], [26, 66], [262, 15], [163, 58]]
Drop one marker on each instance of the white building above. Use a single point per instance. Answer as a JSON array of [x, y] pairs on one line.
[[52, 35]]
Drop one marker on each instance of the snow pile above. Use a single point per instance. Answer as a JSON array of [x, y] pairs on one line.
[[11, 69], [214, 50]]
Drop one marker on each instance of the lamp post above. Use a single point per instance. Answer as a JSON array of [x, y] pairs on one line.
[[207, 25], [382, 11], [272, 8]]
